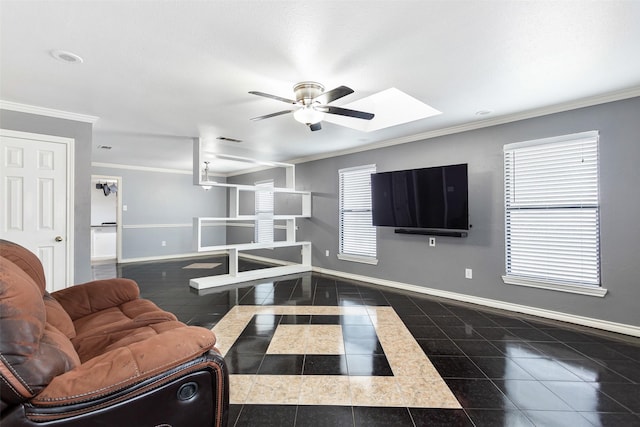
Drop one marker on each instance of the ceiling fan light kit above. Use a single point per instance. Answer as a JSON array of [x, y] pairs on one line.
[[312, 100]]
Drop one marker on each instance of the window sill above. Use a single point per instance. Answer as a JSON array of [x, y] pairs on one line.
[[592, 291], [357, 258]]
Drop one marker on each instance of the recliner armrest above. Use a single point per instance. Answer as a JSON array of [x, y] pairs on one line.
[[81, 300]]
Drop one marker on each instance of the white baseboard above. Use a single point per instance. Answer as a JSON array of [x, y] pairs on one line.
[[605, 325]]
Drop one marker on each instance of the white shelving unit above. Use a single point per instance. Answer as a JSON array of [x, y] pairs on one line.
[[233, 250]]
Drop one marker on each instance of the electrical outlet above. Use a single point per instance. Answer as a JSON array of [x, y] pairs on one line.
[[468, 273], [326, 253], [432, 242], [164, 243]]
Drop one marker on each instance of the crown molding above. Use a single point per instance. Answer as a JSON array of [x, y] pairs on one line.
[[529, 114], [49, 112]]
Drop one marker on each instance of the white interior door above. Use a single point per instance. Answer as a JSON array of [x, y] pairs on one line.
[[34, 195]]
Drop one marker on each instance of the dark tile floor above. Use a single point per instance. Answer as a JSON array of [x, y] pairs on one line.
[[504, 369]]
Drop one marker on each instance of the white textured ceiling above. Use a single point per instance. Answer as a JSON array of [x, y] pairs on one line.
[[158, 73]]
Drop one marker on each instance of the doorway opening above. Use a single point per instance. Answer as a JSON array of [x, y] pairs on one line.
[[106, 219]]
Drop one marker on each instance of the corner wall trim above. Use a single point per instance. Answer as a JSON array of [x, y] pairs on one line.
[[605, 325]]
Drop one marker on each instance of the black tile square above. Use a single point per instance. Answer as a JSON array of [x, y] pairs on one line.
[[625, 394], [321, 364], [447, 320], [496, 333], [265, 319], [444, 347], [366, 416], [368, 365], [243, 363], [546, 369], [478, 394], [353, 319], [557, 418], [599, 351], [251, 345], [324, 416], [295, 319], [325, 319], [612, 419], [497, 418], [466, 332], [583, 396], [431, 332], [263, 330], [428, 417], [362, 346], [530, 334], [359, 331], [478, 348], [456, 367], [281, 364], [592, 371], [531, 395], [417, 320], [267, 415], [501, 368]]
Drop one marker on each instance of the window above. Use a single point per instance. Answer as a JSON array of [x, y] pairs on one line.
[[552, 231], [357, 235], [264, 213]]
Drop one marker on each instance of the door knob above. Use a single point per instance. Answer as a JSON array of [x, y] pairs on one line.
[[58, 238]]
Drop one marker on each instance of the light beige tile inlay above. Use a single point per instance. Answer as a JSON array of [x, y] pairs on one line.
[[325, 390], [416, 382], [281, 389], [375, 391]]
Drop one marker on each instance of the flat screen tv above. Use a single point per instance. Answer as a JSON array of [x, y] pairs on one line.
[[434, 198]]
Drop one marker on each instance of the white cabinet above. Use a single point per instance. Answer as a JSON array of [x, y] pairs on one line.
[[103, 243], [235, 216]]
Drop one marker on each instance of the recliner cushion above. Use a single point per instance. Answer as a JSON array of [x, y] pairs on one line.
[[123, 366]]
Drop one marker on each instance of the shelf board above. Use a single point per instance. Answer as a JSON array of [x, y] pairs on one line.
[[245, 187], [246, 276], [252, 246]]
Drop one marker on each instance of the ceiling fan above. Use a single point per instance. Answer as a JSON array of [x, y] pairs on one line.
[[311, 101]]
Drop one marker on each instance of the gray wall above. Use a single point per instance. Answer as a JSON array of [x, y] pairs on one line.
[[82, 133], [159, 204], [409, 259]]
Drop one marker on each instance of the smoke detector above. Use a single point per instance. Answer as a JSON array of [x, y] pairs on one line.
[[66, 56]]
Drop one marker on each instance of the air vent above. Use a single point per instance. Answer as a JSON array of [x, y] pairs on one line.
[[224, 138]]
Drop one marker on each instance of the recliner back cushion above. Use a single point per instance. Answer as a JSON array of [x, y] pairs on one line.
[[26, 260], [31, 353], [57, 317]]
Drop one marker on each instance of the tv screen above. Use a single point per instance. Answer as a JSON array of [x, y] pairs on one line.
[[429, 198]]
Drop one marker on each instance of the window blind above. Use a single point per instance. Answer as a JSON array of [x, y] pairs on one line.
[[264, 213], [357, 235], [552, 230]]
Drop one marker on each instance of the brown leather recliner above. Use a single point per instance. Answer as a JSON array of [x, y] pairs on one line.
[[98, 355]]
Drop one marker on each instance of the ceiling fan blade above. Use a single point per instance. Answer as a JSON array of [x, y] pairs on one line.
[[315, 126], [277, 98], [333, 94], [267, 116], [345, 112]]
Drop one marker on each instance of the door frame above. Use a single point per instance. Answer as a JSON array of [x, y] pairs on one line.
[[70, 176]]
